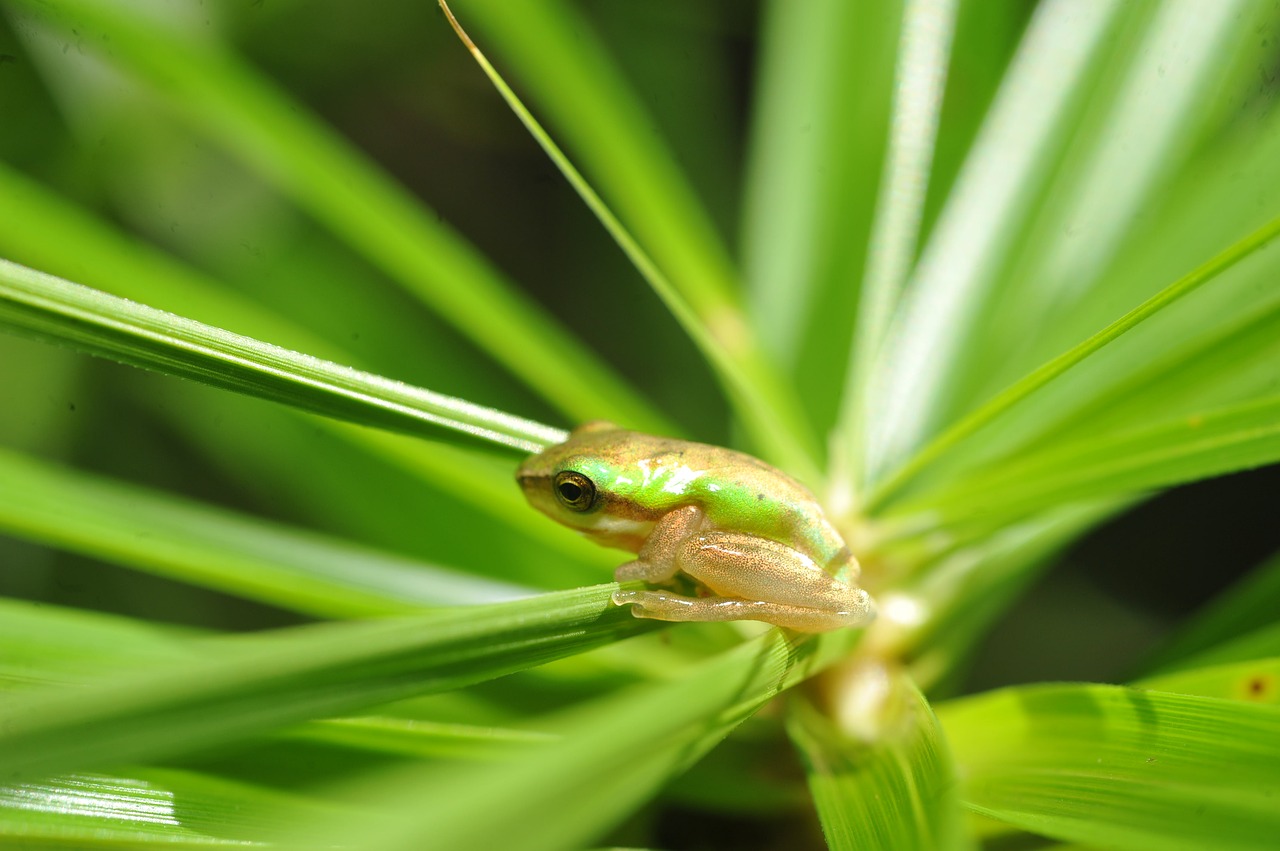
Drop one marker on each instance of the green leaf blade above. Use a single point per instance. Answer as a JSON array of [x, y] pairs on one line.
[[1021, 390], [920, 81], [896, 792], [1011, 160], [215, 548], [765, 404], [98, 323], [615, 752], [1256, 680], [814, 163], [150, 808], [242, 686], [558, 56], [1119, 767], [1238, 437], [226, 100]]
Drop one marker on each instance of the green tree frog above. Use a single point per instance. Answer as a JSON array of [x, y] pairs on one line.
[[748, 541]]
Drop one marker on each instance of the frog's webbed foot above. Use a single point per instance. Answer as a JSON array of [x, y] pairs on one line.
[[663, 605]]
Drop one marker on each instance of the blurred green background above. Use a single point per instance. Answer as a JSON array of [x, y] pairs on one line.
[[392, 78]]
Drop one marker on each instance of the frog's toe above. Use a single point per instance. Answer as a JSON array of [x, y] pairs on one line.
[[658, 604], [634, 599], [662, 605]]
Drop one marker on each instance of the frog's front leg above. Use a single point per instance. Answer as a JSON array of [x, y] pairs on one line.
[[657, 560]]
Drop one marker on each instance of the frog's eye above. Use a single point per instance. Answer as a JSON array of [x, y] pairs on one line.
[[575, 491]]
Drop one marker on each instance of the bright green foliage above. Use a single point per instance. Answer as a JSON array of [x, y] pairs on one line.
[[236, 686], [1004, 271], [207, 546], [339, 187], [613, 754], [1120, 767], [101, 324], [896, 791], [155, 807]]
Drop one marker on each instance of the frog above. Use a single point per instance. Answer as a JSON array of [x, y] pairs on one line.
[[754, 543]]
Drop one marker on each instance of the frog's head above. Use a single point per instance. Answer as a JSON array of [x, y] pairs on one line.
[[573, 483]]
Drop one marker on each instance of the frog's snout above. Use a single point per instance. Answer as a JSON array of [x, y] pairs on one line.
[[536, 489]]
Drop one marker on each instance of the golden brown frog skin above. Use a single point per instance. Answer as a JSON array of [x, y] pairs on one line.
[[754, 538]]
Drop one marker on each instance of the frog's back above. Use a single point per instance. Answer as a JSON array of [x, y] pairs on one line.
[[642, 477], [739, 492]]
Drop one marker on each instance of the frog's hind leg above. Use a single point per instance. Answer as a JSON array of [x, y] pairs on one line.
[[666, 606], [745, 567]]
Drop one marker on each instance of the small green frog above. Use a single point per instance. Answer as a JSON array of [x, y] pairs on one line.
[[752, 538]]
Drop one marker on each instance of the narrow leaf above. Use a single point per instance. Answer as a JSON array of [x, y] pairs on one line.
[[1183, 450], [1156, 119], [1209, 271], [1254, 681], [559, 59], [41, 644], [38, 224], [1177, 375], [203, 545], [613, 754], [59, 311], [817, 145], [764, 402], [46, 645], [1008, 165], [151, 809], [420, 739], [226, 100], [920, 81], [898, 791], [1120, 767], [242, 686]]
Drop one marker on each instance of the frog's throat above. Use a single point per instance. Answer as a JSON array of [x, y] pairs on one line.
[[623, 533]]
